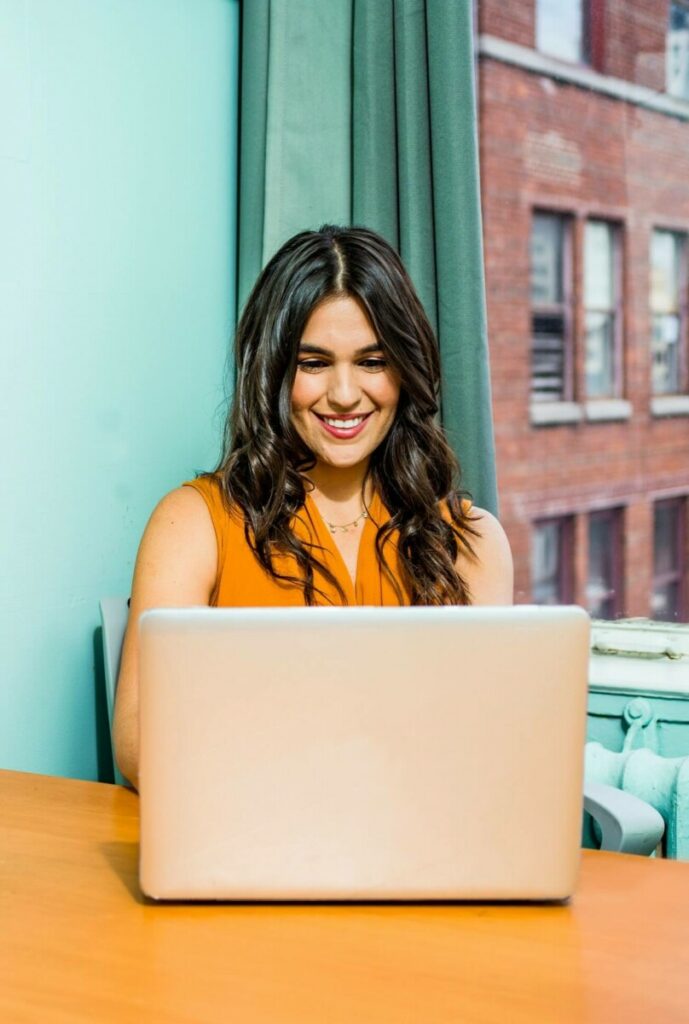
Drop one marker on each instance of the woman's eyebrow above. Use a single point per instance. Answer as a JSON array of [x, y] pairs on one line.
[[316, 349]]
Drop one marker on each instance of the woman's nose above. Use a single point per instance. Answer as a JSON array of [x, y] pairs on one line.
[[343, 390]]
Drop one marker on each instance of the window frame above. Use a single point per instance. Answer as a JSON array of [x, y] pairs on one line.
[[617, 308], [682, 311], [565, 555], [680, 574], [615, 515], [565, 308]]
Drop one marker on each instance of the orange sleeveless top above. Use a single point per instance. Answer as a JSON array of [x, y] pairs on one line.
[[243, 582]]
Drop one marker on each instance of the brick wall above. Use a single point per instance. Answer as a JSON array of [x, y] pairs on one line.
[[560, 147], [633, 34], [514, 21], [634, 40]]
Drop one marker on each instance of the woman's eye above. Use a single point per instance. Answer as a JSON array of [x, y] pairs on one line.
[[314, 365], [311, 364]]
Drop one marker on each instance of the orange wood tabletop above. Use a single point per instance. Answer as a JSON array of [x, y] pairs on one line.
[[78, 942]]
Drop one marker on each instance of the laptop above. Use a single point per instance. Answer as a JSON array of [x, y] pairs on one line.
[[362, 753]]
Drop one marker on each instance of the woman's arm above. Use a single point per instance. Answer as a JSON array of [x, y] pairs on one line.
[[176, 567], [490, 576]]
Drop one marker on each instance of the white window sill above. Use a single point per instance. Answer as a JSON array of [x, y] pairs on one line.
[[540, 63], [670, 405], [601, 410], [551, 413], [639, 656]]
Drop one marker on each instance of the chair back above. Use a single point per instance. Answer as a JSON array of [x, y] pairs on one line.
[[114, 614]]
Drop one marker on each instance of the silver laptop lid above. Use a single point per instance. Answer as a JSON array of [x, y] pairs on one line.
[[362, 753]]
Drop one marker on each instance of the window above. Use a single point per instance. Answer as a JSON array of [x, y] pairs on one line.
[[552, 570], [669, 560], [602, 309], [677, 51], [561, 29], [551, 307], [604, 588], [667, 314]]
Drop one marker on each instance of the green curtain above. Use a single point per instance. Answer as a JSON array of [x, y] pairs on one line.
[[295, 124], [364, 112]]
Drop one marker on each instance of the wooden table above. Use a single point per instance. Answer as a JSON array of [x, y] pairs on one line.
[[79, 943]]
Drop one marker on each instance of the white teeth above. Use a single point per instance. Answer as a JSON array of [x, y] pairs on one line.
[[344, 424]]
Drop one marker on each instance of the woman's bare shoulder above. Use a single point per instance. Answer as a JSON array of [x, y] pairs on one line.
[[184, 508], [489, 573], [179, 540]]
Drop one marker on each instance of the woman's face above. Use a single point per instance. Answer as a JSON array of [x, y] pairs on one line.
[[345, 395]]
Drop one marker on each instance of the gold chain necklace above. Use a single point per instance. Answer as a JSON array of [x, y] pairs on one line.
[[334, 527]]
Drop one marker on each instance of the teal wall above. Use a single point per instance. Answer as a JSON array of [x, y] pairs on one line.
[[117, 265]]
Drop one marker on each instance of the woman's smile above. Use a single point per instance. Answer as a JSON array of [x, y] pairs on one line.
[[344, 427]]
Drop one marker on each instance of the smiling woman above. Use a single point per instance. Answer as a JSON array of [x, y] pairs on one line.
[[344, 389], [336, 484]]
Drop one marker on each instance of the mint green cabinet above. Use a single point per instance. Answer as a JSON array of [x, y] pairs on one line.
[[638, 720], [626, 720]]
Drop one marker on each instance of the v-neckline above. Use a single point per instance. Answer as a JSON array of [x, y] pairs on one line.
[[328, 541]]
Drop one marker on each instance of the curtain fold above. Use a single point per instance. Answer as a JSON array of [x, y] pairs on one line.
[[253, 101], [367, 115], [462, 328], [414, 150], [374, 121]]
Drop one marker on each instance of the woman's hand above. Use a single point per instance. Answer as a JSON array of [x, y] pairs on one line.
[[176, 567]]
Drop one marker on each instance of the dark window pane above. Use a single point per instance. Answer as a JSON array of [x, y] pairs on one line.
[[665, 354], [546, 563], [665, 538], [547, 242], [548, 357], [599, 547], [677, 60], [602, 599], [679, 16], [551, 555], [669, 559]]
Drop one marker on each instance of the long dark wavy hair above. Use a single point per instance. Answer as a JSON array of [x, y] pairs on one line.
[[264, 461]]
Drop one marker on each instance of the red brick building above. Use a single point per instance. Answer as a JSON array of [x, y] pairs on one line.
[[584, 136]]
